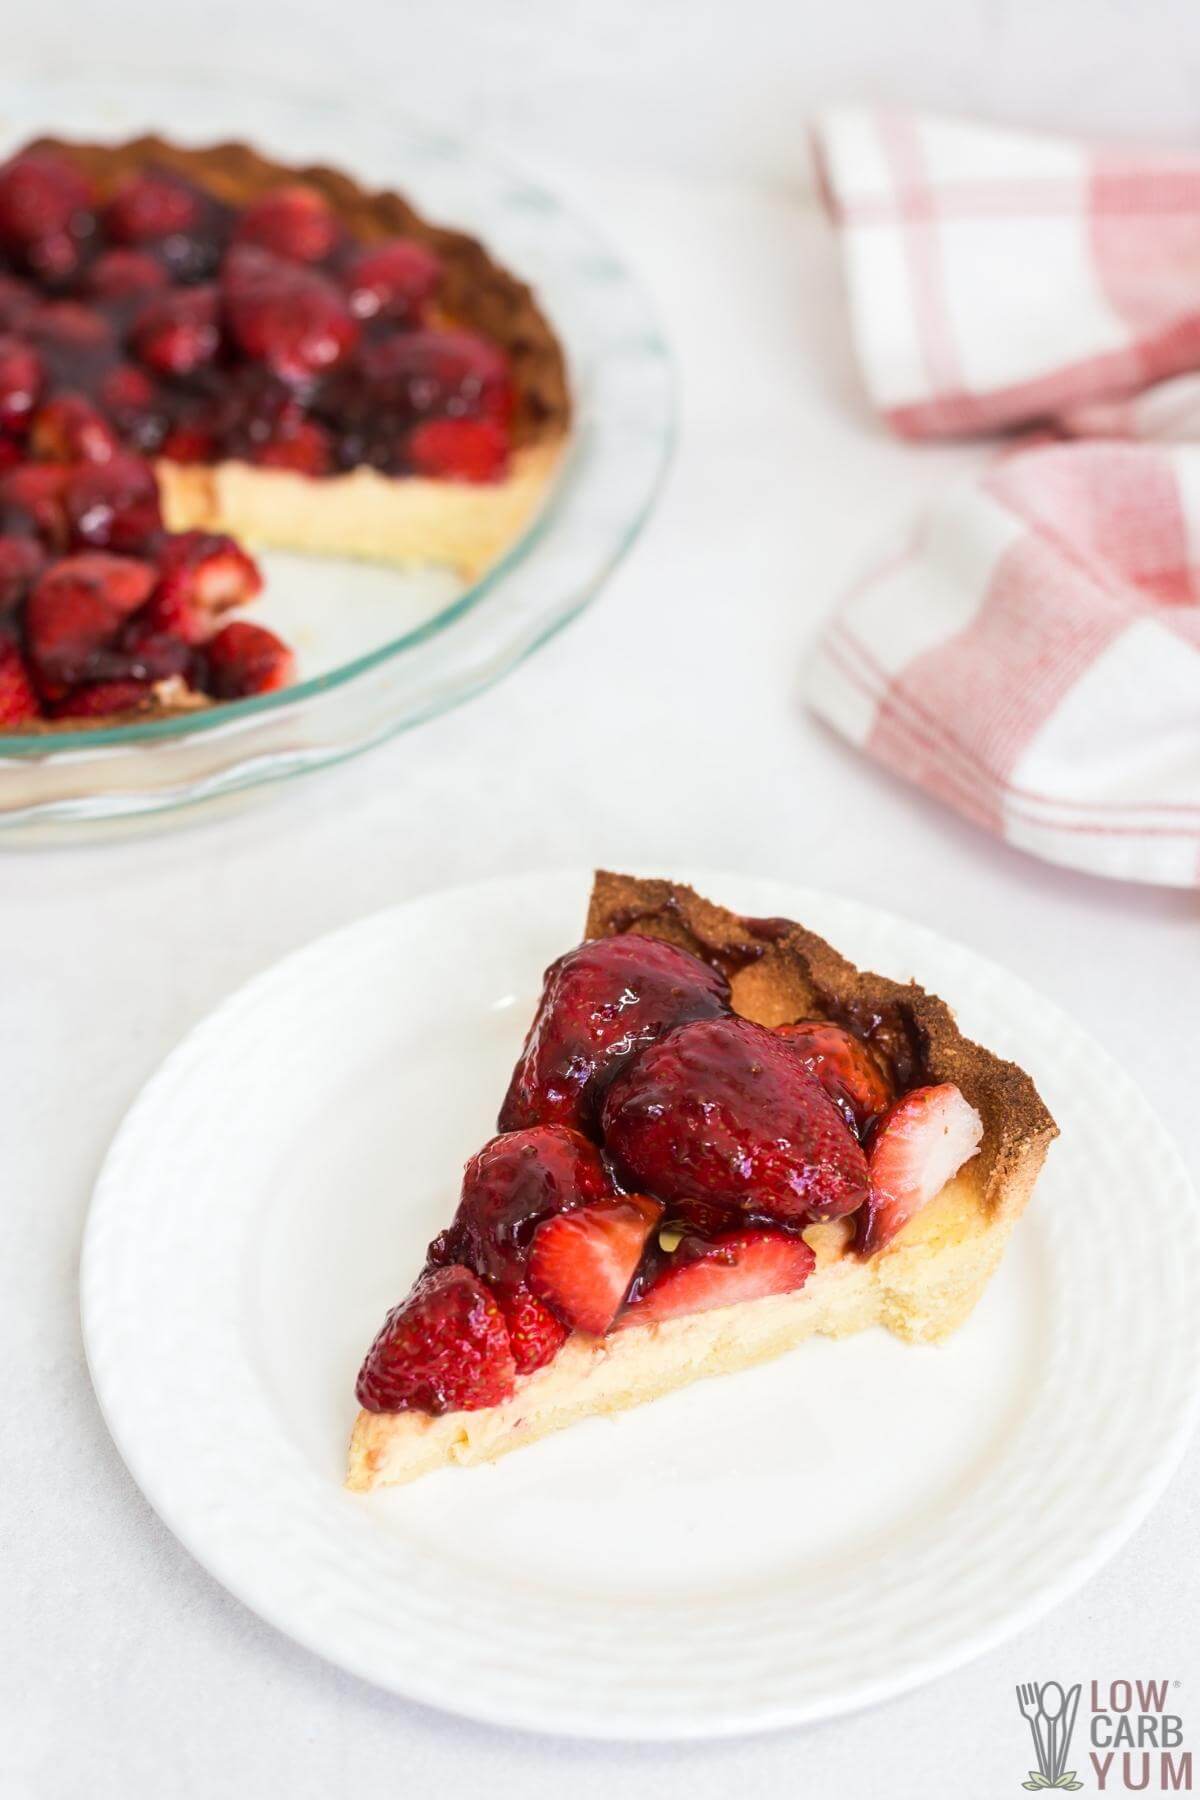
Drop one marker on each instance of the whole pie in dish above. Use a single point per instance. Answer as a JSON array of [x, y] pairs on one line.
[[202, 349], [720, 1138]]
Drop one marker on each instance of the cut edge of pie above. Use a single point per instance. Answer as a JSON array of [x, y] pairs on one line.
[[921, 1286]]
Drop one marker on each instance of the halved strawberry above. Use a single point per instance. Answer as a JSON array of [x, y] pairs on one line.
[[444, 1349], [244, 659], [708, 1272], [582, 1262], [533, 1331], [459, 449], [98, 699], [918, 1145], [844, 1065], [18, 697], [203, 575]]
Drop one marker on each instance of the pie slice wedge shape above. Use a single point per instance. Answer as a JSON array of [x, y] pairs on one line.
[[681, 1188]]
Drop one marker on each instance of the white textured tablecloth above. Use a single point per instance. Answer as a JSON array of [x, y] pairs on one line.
[[664, 728]]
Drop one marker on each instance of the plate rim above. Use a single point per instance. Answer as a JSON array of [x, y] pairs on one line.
[[471, 1702]]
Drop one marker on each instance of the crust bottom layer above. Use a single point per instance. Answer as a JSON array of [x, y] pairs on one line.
[[921, 1288]]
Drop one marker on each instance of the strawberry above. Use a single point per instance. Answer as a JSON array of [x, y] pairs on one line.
[[600, 1004], [21, 377], [244, 659], [845, 1067], [509, 1187], [293, 222], [915, 1149], [113, 505], [75, 612], [444, 1349], [31, 498], [724, 1111], [69, 429], [533, 1331], [118, 274], [18, 696], [708, 1272], [459, 449], [39, 193], [178, 333], [305, 448], [286, 315], [441, 374], [202, 574], [393, 281], [582, 1262], [99, 699], [152, 205], [22, 560]]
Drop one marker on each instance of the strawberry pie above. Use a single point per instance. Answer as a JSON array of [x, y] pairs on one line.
[[720, 1138], [203, 349]]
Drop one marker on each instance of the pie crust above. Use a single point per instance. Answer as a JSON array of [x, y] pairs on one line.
[[397, 519], [921, 1286]]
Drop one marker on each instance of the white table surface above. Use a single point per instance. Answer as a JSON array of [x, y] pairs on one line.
[[663, 728]]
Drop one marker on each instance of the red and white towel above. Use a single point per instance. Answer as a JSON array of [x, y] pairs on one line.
[[1031, 652]]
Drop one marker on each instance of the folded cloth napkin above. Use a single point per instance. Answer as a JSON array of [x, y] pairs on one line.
[[1031, 655], [998, 276]]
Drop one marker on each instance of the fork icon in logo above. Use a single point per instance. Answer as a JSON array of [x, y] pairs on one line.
[[1051, 1716]]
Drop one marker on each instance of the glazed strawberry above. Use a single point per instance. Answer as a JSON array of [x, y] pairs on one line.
[[305, 448], [289, 317], [133, 402], [121, 274], [190, 441], [582, 1262], [450, 374], [31, 501], [100, 699], [22, 560], [74, 613], [444, 1349], [150, 206], [113, 505], [393, 281], [459, 449], [293, 222], [202, 574], [600, 1003], [44, 202], [21, 377], [178, 332], [844, 1065], [916, 1148], [509, 1187], [18, 301], [721, 1110], [68, 428], [18, 696], [245, 659], [533, 1331], [703, 1273]]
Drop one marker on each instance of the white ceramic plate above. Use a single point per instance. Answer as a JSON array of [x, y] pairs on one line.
[[772, 1547]]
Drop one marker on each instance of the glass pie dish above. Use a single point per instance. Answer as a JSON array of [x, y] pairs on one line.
[[379, 648]]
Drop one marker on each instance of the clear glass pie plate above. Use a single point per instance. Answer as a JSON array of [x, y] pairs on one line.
[[379, 649]]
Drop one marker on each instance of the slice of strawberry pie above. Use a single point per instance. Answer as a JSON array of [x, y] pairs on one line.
[[720, 1138]]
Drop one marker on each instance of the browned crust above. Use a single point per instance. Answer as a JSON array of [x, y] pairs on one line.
[[781, 972], [477, 292]]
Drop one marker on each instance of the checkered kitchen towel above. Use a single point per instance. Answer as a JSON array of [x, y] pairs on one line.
[[998, 277], [1030, 653]]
